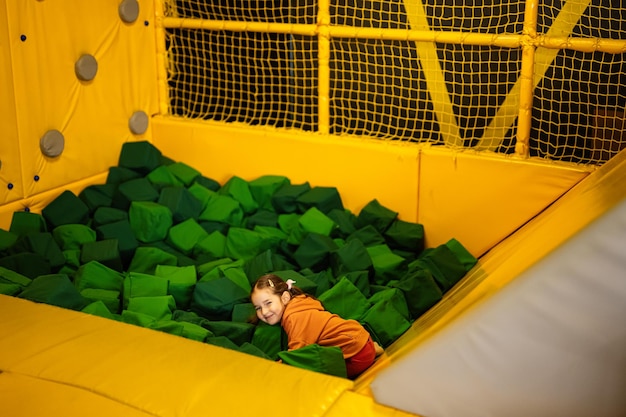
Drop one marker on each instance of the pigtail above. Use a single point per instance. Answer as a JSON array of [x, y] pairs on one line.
[[277, 285]]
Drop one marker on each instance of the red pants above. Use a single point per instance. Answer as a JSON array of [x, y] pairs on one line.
[[362, 360]]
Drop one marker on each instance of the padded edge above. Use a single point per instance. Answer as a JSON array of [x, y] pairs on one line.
[[153, 372], [25, 396]]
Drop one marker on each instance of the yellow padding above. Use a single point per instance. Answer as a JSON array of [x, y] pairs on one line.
[[38, 202], [25, 396], [145, 370], [351, 404], [475, 198], [360, 169], [590, 199]]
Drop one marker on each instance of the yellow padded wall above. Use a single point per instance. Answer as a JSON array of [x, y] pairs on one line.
[[476, 199], [45, 41], [480, 199], [361, 169], [9, 146]]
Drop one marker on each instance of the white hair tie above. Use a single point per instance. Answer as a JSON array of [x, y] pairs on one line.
[[290, 283]]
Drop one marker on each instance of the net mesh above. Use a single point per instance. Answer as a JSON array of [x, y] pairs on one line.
[[448, 73], [252, 78], [378, 90]]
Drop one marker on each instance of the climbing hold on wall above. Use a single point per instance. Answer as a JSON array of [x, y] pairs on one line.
[[138, 122], [86, 67], [129, 10], [52, 143]]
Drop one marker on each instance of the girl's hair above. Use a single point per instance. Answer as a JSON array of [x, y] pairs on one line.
[[276, 285]]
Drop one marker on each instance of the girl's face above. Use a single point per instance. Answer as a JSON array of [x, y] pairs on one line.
[[269, 306]]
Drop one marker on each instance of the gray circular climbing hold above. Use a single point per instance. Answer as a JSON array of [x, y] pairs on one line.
[[52, 143], [138, 122], [86, 67], [129, 10]]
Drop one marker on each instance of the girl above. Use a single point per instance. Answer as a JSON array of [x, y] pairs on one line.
[[306, 322]]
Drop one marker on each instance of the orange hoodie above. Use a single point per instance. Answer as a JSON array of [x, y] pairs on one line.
[[306, 322]]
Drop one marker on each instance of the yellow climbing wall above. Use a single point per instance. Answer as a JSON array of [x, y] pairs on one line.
[[42, 45]]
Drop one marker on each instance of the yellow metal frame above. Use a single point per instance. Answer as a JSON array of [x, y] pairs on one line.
[[538, 52]]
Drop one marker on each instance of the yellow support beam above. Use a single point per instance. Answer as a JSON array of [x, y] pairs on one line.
[[239, 26], [434, 76], [161, 56], [323, 62]]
